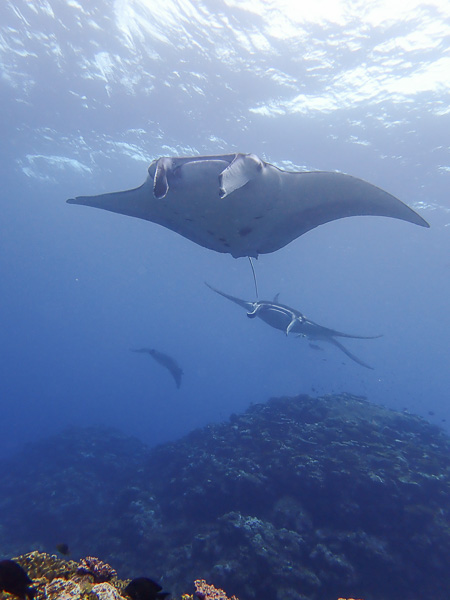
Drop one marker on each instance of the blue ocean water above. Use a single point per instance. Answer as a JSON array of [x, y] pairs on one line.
[[91, 92]]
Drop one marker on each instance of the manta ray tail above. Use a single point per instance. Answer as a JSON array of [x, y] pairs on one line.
[[254, 276], [355, 337]]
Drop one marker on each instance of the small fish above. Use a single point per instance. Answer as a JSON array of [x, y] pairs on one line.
[[14, 580], [143, 588], [63, 549], [315, 347], [166, 361]]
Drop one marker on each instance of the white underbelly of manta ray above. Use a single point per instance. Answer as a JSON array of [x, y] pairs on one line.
[[239, 204]]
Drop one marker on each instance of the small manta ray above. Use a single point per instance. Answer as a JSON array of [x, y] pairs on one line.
[[166, 361], [288, 319], [239, 204]]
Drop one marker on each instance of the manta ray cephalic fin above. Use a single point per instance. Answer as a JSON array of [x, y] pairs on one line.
[[160, 183], [292, 323], [241, 170]]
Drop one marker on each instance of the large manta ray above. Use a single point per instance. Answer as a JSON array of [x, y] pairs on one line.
[[239, 204], [289, 319]]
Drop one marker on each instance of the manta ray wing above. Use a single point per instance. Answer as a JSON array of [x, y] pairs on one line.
[[352, 356], [241, 205], [319, 332], [243, 303], [311, 199]]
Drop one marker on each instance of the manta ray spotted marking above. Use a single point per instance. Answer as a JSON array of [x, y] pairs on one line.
[[241, 205], [287, 319], [166, 361]]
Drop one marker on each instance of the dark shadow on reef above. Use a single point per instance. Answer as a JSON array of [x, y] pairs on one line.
[[299, 499]]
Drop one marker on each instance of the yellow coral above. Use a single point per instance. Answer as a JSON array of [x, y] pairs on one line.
[[40, 564]]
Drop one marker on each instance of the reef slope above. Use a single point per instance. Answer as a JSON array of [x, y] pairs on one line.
[[299, 498]]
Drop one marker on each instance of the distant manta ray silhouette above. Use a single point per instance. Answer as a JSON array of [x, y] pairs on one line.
[[166, 361], [241, 205], [289, 319]]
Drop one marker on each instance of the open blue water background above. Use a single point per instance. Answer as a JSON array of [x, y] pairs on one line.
[[92, 91]]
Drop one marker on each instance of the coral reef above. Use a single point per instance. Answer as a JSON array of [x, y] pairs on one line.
[[40, 565], [296, 499], [61, 589], [99, 570], [56, 579], [205, 591]]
